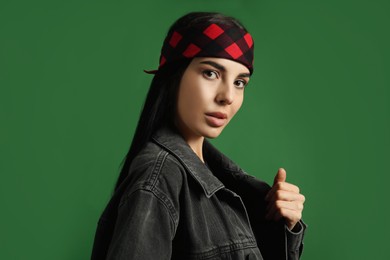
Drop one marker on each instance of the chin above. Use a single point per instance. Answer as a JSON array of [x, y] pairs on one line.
[[213, 133]]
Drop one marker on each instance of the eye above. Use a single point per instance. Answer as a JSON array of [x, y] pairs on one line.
[[210, 74], [240, 83]]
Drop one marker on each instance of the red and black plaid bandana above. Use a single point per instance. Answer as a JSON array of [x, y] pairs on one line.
[[208, 40]]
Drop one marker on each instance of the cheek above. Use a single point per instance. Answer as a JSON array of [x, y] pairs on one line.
[[187, 101], [193, 96], [238, 103]]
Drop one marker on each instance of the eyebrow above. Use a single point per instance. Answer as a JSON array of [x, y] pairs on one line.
[[222, 68]]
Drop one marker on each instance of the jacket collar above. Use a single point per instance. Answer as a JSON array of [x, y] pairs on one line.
[[173, 142]]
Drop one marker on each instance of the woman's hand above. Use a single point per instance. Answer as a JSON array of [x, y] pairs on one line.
[[284, 201]]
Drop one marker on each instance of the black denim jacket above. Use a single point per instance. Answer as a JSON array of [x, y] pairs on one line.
[[173, 206]]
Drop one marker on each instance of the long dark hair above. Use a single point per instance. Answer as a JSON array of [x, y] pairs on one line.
[[160, 105]]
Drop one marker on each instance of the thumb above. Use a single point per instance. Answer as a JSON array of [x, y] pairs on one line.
[[280, 176]]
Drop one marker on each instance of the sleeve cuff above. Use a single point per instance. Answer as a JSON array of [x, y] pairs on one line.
[[295, 236]]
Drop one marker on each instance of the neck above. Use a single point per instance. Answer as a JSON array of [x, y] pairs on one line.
[[194, 141], [196, 145]]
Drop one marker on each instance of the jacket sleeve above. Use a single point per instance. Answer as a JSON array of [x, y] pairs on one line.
[[294, 240], [274, 239], [144, 228]]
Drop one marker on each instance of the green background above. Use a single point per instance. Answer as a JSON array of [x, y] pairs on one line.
[[72, 85]]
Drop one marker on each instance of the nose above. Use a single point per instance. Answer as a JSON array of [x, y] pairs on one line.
[[225, 94]]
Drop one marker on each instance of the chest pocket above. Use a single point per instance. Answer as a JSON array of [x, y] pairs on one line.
[[235, 214]]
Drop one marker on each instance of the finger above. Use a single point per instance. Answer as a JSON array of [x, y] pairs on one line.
[[280, 176], [282, 186], [291, 205], [273, 211], [286, 196], [291, 216], [283, 204]]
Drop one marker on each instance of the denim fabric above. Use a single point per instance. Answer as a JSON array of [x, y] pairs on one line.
[[174, 206]]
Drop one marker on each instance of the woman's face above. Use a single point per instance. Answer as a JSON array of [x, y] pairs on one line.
[[211, 92]]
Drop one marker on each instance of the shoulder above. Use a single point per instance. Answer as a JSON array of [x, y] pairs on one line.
[[156, 170]]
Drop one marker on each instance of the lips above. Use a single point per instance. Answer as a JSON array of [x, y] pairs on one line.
[[217, 115], [216, 119]]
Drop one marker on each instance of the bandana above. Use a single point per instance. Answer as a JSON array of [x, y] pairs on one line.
[[208, 40]]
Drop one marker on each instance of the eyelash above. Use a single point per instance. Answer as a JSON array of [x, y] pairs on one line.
[[244, 83], [206, 74]]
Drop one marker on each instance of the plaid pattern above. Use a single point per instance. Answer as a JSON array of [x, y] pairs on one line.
[[208, 40]]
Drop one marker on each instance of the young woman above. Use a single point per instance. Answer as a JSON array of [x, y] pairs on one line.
[[177, 196]]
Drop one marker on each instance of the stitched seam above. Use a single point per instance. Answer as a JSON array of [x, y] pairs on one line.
[[164, 202], [157, 168], [151, 183], [162, 156], [168, 205], [233, 247]]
